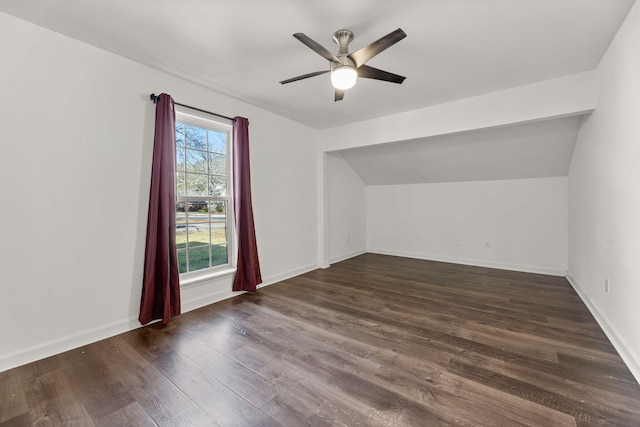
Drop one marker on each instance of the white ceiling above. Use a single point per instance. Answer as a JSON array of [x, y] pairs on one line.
[[533, 150], [454, 48]]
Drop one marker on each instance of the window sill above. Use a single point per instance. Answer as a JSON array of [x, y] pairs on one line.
[[206, 277]]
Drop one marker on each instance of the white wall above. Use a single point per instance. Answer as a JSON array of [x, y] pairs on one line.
[[570, 95], [346, 210], [604, 197], [77, 136], [524, 222]]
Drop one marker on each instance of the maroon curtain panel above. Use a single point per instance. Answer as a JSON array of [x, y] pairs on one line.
[[161, 281], [248, 269]]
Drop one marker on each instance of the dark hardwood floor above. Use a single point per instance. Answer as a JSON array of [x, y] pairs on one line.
[[374, 340]]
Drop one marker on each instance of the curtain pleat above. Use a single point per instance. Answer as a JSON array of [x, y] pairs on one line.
[[161, 281], [248, 268]]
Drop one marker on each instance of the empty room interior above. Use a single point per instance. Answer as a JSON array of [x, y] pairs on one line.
[[452, 237]]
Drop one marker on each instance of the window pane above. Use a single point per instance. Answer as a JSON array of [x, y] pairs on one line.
[[181, 187], [179, 159], [196, 137], [196, 161], [182, 261], [217, 186], [218, 210], [218, 232], [218, 222], [199, 228], [217, 141], [218, 164], [179, 134], [181, 225], [198, 258], [219, 255], [198, 218], [196, 185]]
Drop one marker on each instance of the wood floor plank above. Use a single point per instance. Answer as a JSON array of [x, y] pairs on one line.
[[13, 402], [374, 340], [318, 397], [438, 392], [94, 382], [54, 402], [152, 392], [39, 367], [19, 421], [294, 411], [222, 405], [212, 330], [583, 410], [613, 368], [380, 403], [246, 383], [514, 322], [459, 325], [553, 383], [194, 417], [130, 415]]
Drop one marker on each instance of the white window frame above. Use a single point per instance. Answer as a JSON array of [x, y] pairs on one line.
[[202, 120]]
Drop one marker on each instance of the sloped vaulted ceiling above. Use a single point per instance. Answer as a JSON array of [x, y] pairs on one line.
[[533, 150]]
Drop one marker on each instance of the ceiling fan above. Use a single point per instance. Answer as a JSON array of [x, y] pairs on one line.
[[347, 67]]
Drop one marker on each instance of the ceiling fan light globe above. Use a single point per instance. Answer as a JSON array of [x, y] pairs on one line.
[[344, 77]]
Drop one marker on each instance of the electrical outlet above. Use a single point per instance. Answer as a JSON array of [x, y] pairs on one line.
[[606, 285], [487, 244]]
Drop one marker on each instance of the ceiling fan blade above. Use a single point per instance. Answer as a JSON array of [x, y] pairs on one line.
[[304, 76], [316, 47], [373, 73], [339, 95], [366, 53]]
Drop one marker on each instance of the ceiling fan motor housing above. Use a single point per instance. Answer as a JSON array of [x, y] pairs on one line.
[[344, 73], [343, 38]]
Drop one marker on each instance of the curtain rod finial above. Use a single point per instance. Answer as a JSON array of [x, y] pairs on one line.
[[153, 98]]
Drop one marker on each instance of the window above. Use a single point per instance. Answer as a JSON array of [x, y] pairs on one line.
[[203, 208]]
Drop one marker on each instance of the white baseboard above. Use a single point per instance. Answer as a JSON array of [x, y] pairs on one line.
[[474, 262], [223, 294], [339, 258], [69, 342], [60, 345], [270, 280], [630, 358], [208, 299]]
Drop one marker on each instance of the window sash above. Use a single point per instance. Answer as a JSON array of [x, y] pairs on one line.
[[187, 118], [203, 198]]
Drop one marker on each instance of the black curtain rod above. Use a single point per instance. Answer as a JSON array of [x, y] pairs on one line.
[[154, 99]]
